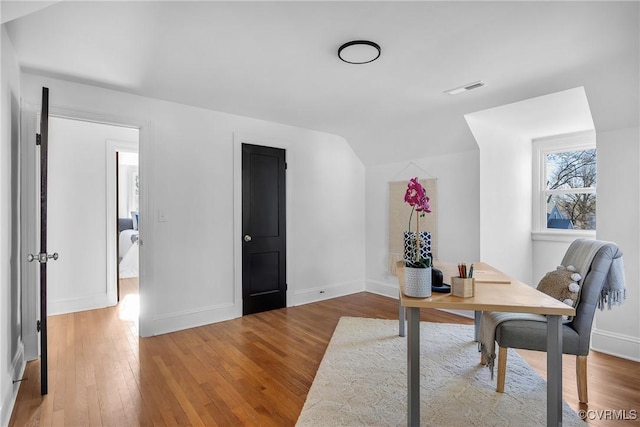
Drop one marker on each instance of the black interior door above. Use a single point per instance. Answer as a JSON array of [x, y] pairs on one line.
[[263, 228], [42, 139]]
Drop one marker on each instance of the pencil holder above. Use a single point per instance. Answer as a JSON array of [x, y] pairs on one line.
[[463, 288]]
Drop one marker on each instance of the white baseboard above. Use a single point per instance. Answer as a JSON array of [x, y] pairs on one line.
[[73, 305], [618, 345], [178, 321], [181, 320], [322, 293], [9, 391], [382, 288]]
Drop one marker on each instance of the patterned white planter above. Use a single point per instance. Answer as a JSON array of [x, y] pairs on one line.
[[417, 282]]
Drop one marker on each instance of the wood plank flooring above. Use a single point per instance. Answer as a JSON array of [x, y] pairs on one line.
[[256, 370]]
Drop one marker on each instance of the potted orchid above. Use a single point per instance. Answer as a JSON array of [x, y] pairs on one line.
[[417, 260]]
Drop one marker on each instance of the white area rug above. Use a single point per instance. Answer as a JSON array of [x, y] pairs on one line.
[[362, 381]]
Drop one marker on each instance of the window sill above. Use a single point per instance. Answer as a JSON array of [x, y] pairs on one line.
[[561, 236]]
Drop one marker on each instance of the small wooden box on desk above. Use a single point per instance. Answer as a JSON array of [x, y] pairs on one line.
[[463, 288]]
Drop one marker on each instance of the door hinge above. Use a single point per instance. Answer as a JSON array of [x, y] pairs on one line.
[[285, 165], [38, 326], [42, 258], [38, 139]]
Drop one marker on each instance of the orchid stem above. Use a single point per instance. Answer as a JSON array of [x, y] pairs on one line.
[[417, 237], [410, 216]]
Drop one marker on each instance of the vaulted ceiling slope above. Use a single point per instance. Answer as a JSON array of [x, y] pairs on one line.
[[278, 61]]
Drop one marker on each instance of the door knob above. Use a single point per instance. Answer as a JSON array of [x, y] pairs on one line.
[[247, 238], [42, 258]]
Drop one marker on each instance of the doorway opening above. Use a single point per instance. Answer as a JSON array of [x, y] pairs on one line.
[[82, 218], [127, 211], [80, 226]]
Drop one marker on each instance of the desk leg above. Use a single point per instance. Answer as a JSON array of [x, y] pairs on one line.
[[413, 367], [401, 318], [477, 315], [554, 371]]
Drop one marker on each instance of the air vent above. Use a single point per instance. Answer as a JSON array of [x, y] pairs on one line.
[[469, 86]]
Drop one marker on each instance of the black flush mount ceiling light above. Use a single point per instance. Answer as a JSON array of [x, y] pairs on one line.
[[359, 52]]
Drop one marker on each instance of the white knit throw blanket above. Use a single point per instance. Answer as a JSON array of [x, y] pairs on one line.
[[581, 253], [487, 333]]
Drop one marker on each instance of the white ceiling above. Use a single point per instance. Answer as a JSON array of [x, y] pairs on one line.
[[555, 114], [278, 61], [10, 10]]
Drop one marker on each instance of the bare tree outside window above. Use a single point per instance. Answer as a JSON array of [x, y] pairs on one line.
[[571, 190]]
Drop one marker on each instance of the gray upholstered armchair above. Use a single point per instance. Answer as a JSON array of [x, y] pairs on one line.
[[576, 335]]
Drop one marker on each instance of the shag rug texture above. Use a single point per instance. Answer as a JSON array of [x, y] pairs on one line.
[[362, 381]]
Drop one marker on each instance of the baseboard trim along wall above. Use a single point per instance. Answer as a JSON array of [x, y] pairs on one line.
[[178, 321], [321, 293], [382, 288], [72, 305], [9, 390], [181, 320], [618, 345]]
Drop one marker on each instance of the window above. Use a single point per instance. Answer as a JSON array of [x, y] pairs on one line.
[[565, 183]]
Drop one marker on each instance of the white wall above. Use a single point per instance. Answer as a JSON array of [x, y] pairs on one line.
[[547, 255], [77, 214], [617, 331], [11, 347], [458, 207], [127, 199], [505, 198], [506, 214], [186, 172]]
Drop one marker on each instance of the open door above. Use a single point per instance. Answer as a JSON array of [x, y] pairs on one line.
[[42, 139]]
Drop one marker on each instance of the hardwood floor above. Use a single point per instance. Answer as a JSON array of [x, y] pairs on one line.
[[255, 370]]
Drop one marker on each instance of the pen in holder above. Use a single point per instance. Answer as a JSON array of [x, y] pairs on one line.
[[463, 288]]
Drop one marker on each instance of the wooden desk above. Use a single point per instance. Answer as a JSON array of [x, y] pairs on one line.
[[514, 297]]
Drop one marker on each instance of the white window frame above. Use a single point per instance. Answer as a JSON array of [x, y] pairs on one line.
[[549, 145]]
